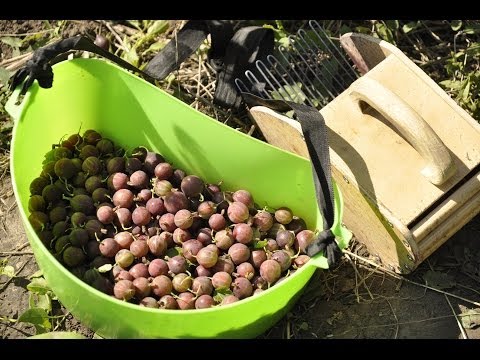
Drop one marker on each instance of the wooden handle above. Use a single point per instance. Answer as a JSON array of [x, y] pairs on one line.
[[440, 166]]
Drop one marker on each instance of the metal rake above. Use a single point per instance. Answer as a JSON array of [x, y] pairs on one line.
[[311, 69]]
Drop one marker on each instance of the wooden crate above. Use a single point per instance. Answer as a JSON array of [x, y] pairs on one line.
[[403, 153]]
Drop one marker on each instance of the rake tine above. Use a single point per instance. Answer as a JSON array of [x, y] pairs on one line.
[[298, 77], [259, 64], [313, 72], [348, 69], [316, 51], [310, 88], [308, 50], [309, 63], [256, 84], [241, 87], [274, 63]]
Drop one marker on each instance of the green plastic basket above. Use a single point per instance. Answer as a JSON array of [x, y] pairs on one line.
[[93, 93]]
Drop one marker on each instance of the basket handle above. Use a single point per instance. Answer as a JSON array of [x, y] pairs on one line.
[[230, 54], [39, 67], [439, 164]]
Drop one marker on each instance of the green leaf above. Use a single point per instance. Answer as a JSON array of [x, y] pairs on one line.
[[412, 25], [224, 291], [58, 335], [452, 84], [16, 52], [158, 27], [40, 301], [284, 41], [280, 25], [34, 38], [473, 49], [278, 33], [170, 79], [219, 294], [145, 23], [362, 30], [38, 286], [456, 25], [44, 302], [156, 46], [392, 24], [37, 317], [36, 274], [135, 23], [260, 244], [46, 24], [7, 319], [384, 32], [31, 300], [37, 44], [471, 318], [291, 93], [290, 114], [14, 42], [105, 268], [218, 298], [177, 250], [469, 31], [132, 57], [7, 270], [49, 156], [439, 280]]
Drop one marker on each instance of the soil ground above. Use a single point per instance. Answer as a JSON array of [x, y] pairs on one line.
[[350, 301]]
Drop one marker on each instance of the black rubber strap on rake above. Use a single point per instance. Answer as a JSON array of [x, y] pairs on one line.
[[314, 131], [39, 67]]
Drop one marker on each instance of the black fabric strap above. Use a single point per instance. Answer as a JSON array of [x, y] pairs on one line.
[[248, 45], [221, 32], [230, 55], [314, 131], [39, 67], [187, 40]]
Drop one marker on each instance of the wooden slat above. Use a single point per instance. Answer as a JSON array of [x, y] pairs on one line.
[[442, 214], [390, 170], [444, 230]]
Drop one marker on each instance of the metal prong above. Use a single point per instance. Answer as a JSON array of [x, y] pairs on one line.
[[307, 61]]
